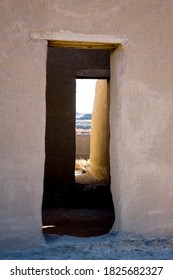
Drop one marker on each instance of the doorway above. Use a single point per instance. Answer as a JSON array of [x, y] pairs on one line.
[[69, 207], [92, 130], [85, 95]]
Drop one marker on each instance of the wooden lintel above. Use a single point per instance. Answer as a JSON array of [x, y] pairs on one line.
[[82, 45], [80, 41]]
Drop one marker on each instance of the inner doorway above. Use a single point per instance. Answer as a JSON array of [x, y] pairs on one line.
[[85, 95], [68, 207], [92, 130]]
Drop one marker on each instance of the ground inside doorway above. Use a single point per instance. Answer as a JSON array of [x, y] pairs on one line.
[[78, 222], [91, 213]]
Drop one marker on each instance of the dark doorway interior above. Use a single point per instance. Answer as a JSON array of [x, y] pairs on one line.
[[79, 209]]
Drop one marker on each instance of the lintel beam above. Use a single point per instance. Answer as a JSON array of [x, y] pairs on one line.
[[86, 41]]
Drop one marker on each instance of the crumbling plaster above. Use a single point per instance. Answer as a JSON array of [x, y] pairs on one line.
[[141, 148]]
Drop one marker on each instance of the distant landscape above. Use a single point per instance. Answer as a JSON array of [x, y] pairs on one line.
[[83, 123]]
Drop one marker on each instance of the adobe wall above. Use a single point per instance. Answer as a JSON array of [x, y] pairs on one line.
[[82, 146], [141, 148], [142, 121], [100, 132]]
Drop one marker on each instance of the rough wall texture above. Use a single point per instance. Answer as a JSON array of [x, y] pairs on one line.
[[100, 133], [82, 146], [141, 122], [141, 109]]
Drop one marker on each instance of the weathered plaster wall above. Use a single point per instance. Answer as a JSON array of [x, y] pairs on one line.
[[82, 146], [22, 129], [141, 109], [100, 133], [141, 122]]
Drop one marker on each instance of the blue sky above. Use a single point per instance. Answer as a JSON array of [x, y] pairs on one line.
[[85, 92]]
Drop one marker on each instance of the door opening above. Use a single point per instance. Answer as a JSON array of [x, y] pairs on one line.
[[85, 94], [71, 207], [92, 130]]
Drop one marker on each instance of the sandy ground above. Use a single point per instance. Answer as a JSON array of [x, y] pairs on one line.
[[106, 247]]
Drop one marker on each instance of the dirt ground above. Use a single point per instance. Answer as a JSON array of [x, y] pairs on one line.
[[106, 247]]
